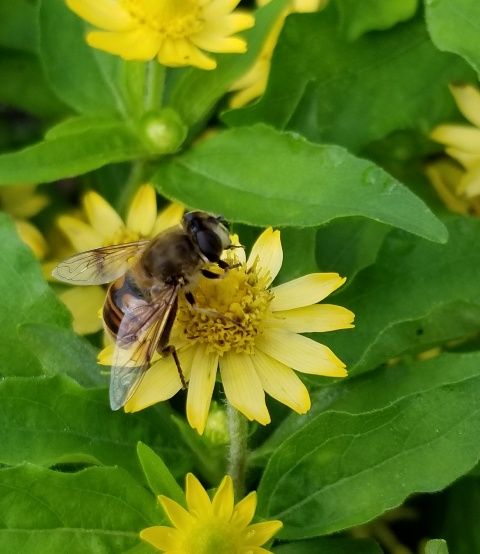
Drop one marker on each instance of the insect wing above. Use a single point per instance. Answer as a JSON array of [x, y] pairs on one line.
[[138, 337], [99, 266]]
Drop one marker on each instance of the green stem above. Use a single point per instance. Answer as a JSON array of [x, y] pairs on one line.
[[237, 459], [154, 84], [130, 187]]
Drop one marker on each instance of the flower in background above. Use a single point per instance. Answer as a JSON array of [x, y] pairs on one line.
[[462, 141], [23, 202], [207, 526], [252, 332], [254, 82], [176, 32], [446, 177], [104, 227]]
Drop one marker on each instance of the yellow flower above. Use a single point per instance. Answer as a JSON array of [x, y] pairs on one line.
[[23, 202], [105, 227], [252, 332], [446, 177], [463, 141], [211, 526], [177, 32], [254, 82]]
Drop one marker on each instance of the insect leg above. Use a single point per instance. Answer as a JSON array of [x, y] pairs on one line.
[[171, 350]]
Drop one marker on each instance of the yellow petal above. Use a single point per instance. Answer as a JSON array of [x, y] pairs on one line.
[[280, 382], [316, 318], [161, 381], [177, 514], [143, 211], [32, 237], [463, 158], [305, 290], [137, 44], [308, 6], [102, 217], [84, 304], [213, 43], [268, 253], [445, 177], [243, 387], [244, 511], [245, 550], [198, 501], [300, 353], [462, 137], [80, 234], [259, 533], [470, 182], [200, 389], [163, 538], [169, 217], [105, 356], [178, 53], [222, 503], [106, 14], [22, 201], [467, 98]]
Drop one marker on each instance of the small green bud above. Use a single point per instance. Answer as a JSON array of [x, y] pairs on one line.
[[163, 130]]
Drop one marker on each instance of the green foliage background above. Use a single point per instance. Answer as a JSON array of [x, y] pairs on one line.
[[332, 153]]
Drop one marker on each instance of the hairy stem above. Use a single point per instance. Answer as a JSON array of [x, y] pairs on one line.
[[237, 459]]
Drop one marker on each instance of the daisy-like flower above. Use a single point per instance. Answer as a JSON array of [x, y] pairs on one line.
[[104, 227], [252, 332], [23, 202], [254, 82], [176, 32], [215, 526], [462, 142], [446, 177]]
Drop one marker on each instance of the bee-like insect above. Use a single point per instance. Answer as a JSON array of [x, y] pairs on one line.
[[141, 303]]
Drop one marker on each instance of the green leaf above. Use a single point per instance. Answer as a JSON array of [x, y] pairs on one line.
[[354, 93], [19, 29], [459, 522], [347, 246], [330, 546], [61, 351], [417, 295], [357, 18], [68, 155], [24, 85], [158, 476], [454, 26], [98, 510], [26, 298], [288, 181], [438, 546], [196, 92], [48, 421], [382, 388], [89, 81], [331, 474]]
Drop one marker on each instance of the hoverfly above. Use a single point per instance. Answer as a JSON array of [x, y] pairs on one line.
[[141, 303]]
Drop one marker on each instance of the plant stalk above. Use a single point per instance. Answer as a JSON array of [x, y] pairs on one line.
[[237, 458]]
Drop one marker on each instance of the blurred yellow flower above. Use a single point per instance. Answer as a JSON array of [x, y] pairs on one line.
[[23, 202], [446, 176], [254, 82], [105, 227], [463, 141], [252, 332], [177, 32], [207, 526]]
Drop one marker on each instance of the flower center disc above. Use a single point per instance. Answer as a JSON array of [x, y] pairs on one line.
[[175, 19], [229, 312]]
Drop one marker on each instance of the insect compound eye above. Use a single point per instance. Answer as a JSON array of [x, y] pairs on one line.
[[210, 244]]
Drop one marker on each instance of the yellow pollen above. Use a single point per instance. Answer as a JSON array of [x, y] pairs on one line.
[[175, 19], [122, 236], [229, 313]]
